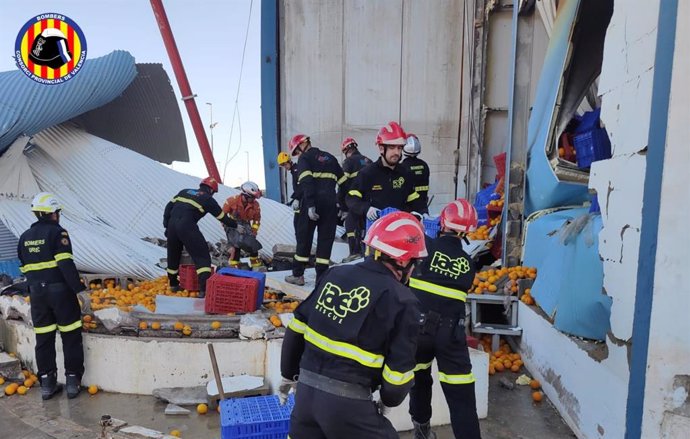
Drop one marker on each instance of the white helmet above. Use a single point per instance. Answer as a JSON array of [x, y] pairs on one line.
[[250, 188], [412, 146], [45, 202]]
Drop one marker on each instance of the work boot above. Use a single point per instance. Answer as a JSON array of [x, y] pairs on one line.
[[49, 386], [295, 280], [73, 385], [201, 295], [352, 258], [174, 288], [423, 431]]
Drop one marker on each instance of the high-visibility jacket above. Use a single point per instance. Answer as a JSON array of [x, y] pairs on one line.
[[241, 209], [419, 171], [192, 205], [360, 326], [318, 172], [441, 281], [380, 186], [45, 252], [351, 167]]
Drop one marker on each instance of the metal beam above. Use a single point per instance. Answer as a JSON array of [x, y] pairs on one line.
[[516, 149], [270, 92]]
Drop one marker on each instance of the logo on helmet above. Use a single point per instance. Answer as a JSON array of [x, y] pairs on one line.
[[50, 49]]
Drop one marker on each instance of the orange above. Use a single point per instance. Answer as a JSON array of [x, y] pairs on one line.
[[2, 381], [26, 374], [179, 326], [176, 433], [499, 366], [156, 325], [537, 396], [215, 325], [187, 330], [143, 325], [27, 299], [202, 409], [28, 382], [11, 389], [92, 390], [492, 369], [21, 390], [493, 288], [535, 384], [507, 364], [515, 367]]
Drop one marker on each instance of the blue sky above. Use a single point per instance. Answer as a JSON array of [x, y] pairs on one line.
[[210, 37]]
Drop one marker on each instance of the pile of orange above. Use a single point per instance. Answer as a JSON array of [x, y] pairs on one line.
[[481, 234], [527, 298], [20, 388], [503, 359], [126, 297], [281, 307], [486, 281]]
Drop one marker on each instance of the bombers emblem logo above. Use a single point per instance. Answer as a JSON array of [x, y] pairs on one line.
[[336, 303], [50, 49], [447, 266]]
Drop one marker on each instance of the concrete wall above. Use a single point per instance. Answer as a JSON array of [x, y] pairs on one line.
[[589, 384], [348, 67], [667, 404]]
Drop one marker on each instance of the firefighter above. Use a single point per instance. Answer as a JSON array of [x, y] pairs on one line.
[[244, 209], [180, 221], [385, 183], [416, 167], [356, 332], [318, 172], [354, 224], [289, 166], [441, 282], [45, 252]]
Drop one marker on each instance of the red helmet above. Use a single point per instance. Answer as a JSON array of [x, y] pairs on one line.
[[295, 141], [391, 134], [398, 235], [459, 216], [347, 144], [210, 182]]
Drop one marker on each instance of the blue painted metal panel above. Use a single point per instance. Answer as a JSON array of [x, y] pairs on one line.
[[27, 107], [571, 274], [651, 206], [544, 190], [270, 92]]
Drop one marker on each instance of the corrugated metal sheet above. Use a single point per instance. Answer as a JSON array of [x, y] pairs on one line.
[[8, 243], [112, 198], [145, 119], [27, 107]]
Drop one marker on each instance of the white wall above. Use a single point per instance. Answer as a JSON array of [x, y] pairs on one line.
[[666, 404]]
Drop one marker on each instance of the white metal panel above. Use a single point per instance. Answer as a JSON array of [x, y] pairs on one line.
[[112, 198], [8, 243]]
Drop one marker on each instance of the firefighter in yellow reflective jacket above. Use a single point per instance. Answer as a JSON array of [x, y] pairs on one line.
[[356, 332], [440, 282], [180, 219], [45, 252]]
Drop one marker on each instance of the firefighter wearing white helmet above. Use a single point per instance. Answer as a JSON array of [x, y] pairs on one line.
[[416, 167], [45, 252], [245, 209]]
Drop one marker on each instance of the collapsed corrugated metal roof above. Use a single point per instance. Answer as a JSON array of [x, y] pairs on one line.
[[145, 119], [112, 197], [27, 107]]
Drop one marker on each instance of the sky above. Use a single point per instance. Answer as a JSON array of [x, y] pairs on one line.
[[210, 36]]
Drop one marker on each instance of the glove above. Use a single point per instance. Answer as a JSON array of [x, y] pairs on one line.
[[284, 389], [295, 205], [373, 213], [312, 214], [380, 406], [342, 215]]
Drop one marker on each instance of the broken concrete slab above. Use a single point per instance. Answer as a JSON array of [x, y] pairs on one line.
[[182, 395], [10, 367], [176, 410]]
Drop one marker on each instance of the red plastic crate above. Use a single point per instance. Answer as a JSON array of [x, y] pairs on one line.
[[225, 294], [189, 280]]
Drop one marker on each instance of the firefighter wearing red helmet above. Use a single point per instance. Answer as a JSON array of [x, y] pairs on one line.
[[354, 224], [441, 282], [318, 172], [355, 333], [385, 183], [180, 221]]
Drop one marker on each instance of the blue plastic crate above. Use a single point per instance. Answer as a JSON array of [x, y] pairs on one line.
[[432, 227], [10, 267], [589, 121], [592, 146], [482, 213], [594, 208], [260, 417], [383, 213], [484, 196], [261, 277]]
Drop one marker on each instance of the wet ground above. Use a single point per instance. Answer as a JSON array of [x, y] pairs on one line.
[[512, 415]]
